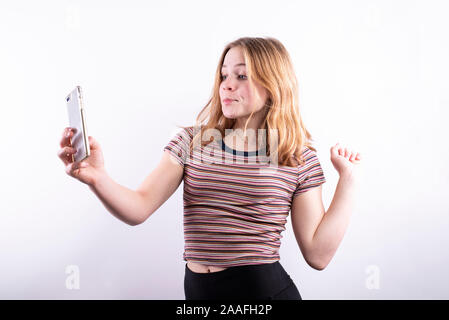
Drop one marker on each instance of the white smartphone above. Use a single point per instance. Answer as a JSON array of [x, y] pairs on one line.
[[77, 121]]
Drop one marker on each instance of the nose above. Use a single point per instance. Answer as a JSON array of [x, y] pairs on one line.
[[228, 85]]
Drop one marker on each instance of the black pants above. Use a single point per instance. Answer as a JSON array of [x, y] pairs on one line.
[[262, 281]]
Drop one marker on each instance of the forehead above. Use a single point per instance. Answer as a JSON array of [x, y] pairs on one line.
[[234, 57]]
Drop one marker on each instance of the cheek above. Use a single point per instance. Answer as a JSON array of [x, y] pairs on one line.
[[245, 93]]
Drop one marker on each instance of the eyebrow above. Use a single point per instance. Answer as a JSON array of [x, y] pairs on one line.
[[240, 64]]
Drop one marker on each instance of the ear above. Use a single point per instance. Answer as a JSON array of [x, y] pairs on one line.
[[269, 102]]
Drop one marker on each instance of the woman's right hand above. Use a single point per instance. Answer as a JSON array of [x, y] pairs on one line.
[[88, 170]]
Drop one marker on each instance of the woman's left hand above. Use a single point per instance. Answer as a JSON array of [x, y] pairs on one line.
[[345, 161]]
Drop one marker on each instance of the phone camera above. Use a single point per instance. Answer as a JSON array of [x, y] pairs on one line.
[[68, 99]]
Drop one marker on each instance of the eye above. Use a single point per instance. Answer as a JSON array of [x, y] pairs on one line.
[[241, 75]]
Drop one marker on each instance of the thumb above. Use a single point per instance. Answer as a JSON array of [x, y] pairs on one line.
[[94, 145], [334, 149]]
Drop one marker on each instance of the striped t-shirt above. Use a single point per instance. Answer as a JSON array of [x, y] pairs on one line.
[[236, 207]]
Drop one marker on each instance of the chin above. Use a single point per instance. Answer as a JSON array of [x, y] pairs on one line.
[[229, 116]]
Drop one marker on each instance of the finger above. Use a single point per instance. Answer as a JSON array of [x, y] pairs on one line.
[[74, 168], [65, 154], [65, 140], [334, 150], [66, 150], [346, 152], [338, 149], [352, 156], [357, 158], [69, 168]]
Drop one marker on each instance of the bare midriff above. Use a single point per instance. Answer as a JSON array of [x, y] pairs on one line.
[[202, 268]]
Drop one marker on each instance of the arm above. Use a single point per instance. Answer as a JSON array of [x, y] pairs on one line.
[[123, 203], [317, 232], [134, 207]]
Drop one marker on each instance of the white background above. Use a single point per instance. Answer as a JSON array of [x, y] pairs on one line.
[[373, 76]]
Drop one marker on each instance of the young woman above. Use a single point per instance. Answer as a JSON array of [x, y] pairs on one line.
[[246, 164]]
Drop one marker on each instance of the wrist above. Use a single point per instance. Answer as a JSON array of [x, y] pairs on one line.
[[99, 179], [347, 177]]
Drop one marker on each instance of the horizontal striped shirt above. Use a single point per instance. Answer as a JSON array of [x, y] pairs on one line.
[[235, 203]]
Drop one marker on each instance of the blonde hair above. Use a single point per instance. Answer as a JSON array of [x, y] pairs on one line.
[[268, 63]]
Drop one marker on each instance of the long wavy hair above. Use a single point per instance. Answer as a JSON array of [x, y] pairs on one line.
[[269, 64]]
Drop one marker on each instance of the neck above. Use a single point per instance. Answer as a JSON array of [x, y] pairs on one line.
[[245, 140], [254, 123]]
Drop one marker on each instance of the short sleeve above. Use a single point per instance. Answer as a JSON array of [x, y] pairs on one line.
[[310, 173], [179, 145]]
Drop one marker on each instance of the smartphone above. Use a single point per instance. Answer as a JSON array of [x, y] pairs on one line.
[[77, 121]]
